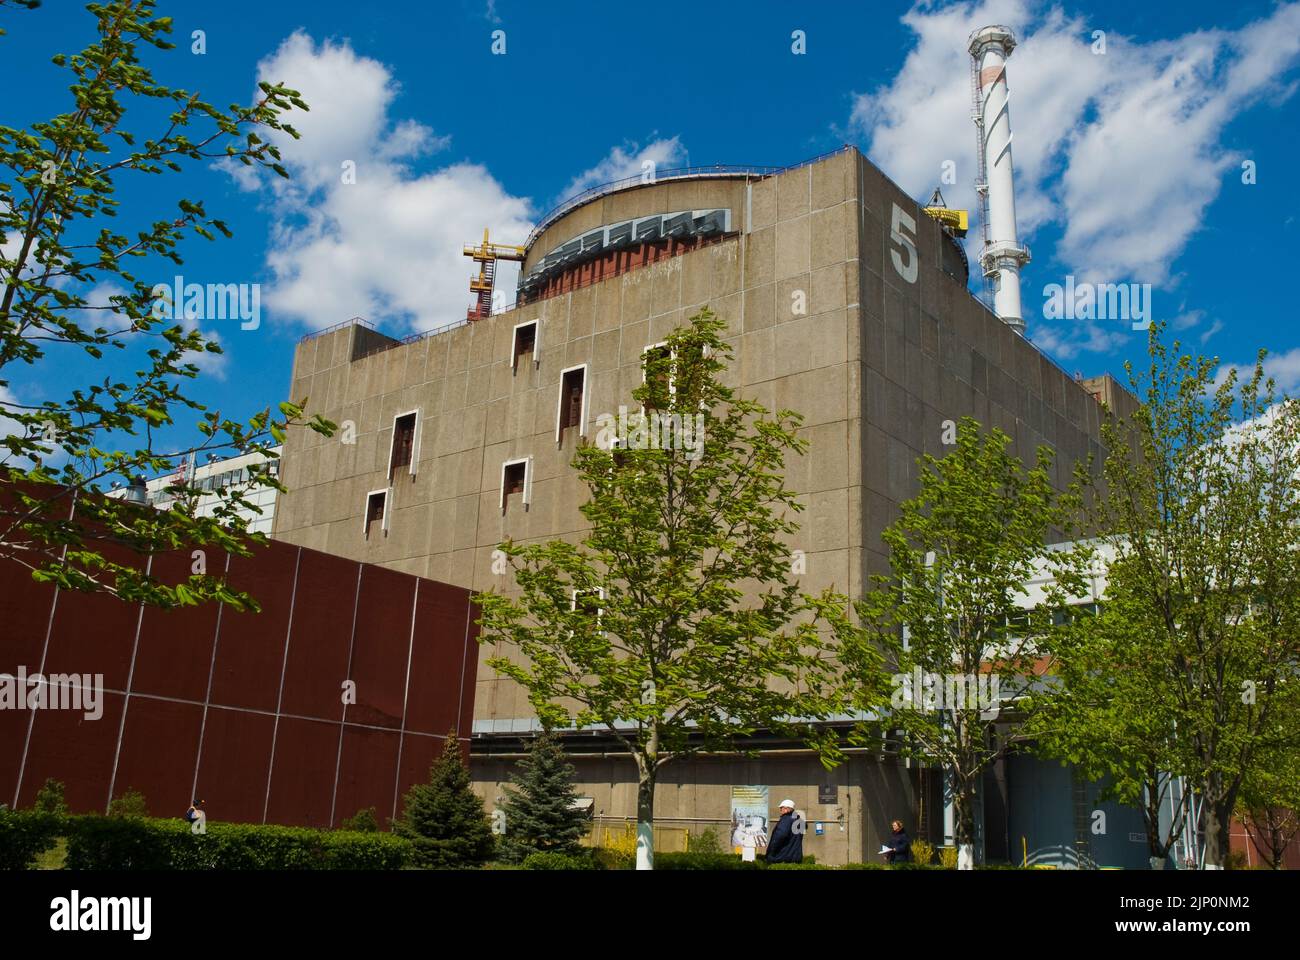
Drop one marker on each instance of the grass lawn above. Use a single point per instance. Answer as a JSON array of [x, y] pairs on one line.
[[55, 857]]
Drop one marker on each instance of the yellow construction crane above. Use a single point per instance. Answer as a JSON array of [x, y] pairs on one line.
[[486, 255], [957, 221]]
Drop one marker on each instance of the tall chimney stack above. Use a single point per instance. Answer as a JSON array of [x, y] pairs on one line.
[[1003, 254]]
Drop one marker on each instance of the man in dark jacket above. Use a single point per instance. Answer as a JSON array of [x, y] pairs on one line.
[[786, 843], [899, 844]]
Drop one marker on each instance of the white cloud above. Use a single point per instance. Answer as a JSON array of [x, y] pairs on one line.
[[1282, 367], [629, 160], [389, 246], [1122, 150], [9, 427], [93, 315]]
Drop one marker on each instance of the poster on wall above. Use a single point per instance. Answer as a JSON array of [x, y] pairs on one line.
[[748, 817]]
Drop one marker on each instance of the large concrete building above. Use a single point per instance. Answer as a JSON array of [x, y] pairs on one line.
[[843, 301]]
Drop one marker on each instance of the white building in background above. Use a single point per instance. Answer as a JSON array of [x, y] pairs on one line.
[[210, 478]]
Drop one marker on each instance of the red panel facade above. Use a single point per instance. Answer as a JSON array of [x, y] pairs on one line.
[[250, 646], [93, 633], [367, 773], [174, 657], [246, 710], [321, 637], [437, 609], [71, 748], [382, 637], [302, 775], [234, 763], [25, 612], [160, 745]]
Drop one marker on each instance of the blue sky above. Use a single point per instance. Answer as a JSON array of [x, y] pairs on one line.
[[1128, 161]]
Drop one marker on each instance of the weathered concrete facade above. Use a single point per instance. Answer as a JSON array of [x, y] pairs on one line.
[[843, 301]]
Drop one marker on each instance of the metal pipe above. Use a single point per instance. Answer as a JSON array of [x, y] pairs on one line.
[[1003, 254]]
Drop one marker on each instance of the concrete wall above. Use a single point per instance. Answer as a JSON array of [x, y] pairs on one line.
[[695, 794], [824, 316], [476, 412]]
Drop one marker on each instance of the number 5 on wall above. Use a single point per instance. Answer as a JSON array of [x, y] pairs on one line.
[[899, 222]]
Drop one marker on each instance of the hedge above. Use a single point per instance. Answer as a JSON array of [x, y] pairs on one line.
[[548, 860], [24, 834], [704, 861], [136, 843]]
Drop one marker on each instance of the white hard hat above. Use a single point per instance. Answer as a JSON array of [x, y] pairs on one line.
[[788, 803]]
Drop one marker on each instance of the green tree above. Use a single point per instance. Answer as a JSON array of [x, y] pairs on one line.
[[539, 810], [955, 615], [443, 818], [49, 799], [1111, 714], [60, 250], [1205, 527], [674, 623]]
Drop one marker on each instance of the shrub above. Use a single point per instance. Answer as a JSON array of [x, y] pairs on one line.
[[551, 860], [49, 799], [623, 842], [948, 858], [129, 804], [363, 821], [605, 858], [922, 852], [706, 841], [24, 834]]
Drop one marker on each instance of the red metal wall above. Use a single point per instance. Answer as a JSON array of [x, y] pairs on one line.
[[243, 710]]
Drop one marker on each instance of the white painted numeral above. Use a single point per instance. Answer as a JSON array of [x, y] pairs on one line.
[[900, 222]]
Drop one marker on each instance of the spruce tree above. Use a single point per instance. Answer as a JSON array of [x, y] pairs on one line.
[[540, 813], [444, 819]]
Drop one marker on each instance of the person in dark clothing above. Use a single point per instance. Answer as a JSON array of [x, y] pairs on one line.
[[786, 843], [899, 844]]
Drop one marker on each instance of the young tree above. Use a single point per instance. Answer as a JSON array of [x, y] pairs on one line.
[[363, 821], [130, 804], [443, 818], [675, 623], [59, 253], [1270, 797], [1205, 525], [50, 798], [1110, 715], [539, 810], [955, 615]]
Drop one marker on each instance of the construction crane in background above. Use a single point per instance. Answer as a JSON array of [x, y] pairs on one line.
[[487, 255], [956, 221]]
